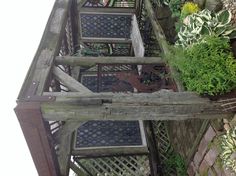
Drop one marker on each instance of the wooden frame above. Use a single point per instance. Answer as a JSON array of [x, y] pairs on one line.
[[36, 106], [35, 129]]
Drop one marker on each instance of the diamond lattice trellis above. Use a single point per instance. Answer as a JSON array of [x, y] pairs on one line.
[[108, 133], [105, 25]]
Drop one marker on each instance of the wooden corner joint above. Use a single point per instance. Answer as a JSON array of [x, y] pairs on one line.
[[31, 96]]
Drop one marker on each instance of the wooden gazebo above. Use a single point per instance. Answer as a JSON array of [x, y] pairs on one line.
[[64, 90]]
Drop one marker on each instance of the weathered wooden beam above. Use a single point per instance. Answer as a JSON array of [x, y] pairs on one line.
[[48, 48], [91, 61], [105, 40], [105, 151], [107, 10], [144, 106], [160, 36], [69, 82]]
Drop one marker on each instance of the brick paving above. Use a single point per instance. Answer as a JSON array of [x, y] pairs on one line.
[[210, 134], [204, 162], [211, 156]]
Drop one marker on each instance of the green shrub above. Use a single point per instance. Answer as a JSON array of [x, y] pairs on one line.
[[207, 67], [175, 163]]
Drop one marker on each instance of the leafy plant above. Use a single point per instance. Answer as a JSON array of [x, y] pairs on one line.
[[207, 67], [205, 23], [175, 162], [188, 9], [228, 145]]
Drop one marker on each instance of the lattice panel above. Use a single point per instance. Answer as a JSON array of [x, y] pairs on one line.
[[108, 133], [108, 80], [163, 141], [163, 145], [90, 81], [104, 49], [116, 68], [121, 50], [108, 83], [117, 166], [105, 25]]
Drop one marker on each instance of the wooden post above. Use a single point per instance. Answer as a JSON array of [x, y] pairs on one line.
[[36, 135]]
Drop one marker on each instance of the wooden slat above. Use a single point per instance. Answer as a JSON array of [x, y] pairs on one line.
[[105, 40], [98, 165], [48, 48], [107, 10], [108, 166], [156, 106], [136, 38], [69, 82], [125, 166], [91, 61]]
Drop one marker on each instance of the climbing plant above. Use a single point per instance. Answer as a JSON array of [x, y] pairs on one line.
[[175, 162]]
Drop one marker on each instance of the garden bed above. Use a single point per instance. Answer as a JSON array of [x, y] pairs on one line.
[[204, 50]]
